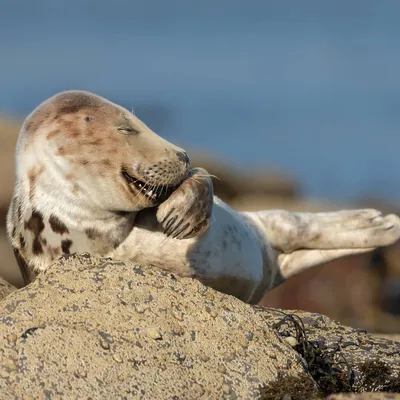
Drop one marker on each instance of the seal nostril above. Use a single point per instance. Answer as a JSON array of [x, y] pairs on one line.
[[183, 157]]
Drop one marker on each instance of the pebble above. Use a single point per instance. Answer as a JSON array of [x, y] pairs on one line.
[[12, 337], [154, 333], [226, 389], [213, 313], [228, 356], [10, 364], [292, 341], [222, 369], [178, 330], [140, 308], [204, 358], [198, 389], [177, 315], [104, 298]]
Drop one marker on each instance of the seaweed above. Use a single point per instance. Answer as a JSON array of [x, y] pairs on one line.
[[331, 376]]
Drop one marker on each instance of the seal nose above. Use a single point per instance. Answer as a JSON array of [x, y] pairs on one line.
[[183, 157]]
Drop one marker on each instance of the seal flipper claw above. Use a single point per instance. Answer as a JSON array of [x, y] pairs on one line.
[[178, 234], [192, 201]]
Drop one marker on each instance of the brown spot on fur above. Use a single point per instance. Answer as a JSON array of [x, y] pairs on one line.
[[83, 162], [33, 174], [73, 101], [72, 133], [69, 176], [57, 226], [61, 151], [53, 133], [75, 189], [92, 233], [72, 108], [53, 251], [36, 120], [94, 142], [65, 246], [36, 226], [66, 124]]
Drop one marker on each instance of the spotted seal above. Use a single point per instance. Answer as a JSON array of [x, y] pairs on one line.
[[91, 177]]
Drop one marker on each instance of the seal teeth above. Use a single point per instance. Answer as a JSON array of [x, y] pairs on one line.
[[152, 192]]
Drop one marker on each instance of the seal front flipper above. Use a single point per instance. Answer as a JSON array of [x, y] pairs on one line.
[[187, 212]]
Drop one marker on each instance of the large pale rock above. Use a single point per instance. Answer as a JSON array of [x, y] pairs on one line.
[[105, 329]]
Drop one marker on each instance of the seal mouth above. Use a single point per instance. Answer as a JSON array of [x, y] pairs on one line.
[[154, 193]]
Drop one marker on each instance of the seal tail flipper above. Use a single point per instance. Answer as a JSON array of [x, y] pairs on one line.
[[305, 240], [355, 229], [301, 260]]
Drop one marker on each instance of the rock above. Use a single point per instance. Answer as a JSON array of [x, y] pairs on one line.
[[364, 396], [5, 288], [98, 328], [157, 336], [338, 357]]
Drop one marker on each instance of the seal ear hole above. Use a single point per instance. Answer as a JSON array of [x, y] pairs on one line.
[[88, 119]]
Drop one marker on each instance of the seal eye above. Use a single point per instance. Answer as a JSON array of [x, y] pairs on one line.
[[128, 131], [88, 119]]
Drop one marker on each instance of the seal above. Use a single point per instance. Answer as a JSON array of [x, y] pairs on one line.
[[91, 177]]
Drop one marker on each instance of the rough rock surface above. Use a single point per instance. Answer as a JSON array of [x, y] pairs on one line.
[[364, 396], [340, 358], [97, 328], [5, 288], [104, 329]]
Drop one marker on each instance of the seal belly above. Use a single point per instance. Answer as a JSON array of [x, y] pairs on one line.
[[227, 257]]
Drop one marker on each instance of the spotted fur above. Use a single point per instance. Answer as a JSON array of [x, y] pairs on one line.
[[91, 177]]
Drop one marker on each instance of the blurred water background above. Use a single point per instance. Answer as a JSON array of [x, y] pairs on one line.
[[311, 88]]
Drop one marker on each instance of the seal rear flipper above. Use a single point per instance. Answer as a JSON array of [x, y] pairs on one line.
[[26, 273]]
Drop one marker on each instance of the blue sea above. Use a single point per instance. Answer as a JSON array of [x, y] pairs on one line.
[[309, 87]]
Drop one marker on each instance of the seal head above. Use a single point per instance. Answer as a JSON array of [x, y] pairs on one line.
[[85, 166], [101, 147]]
